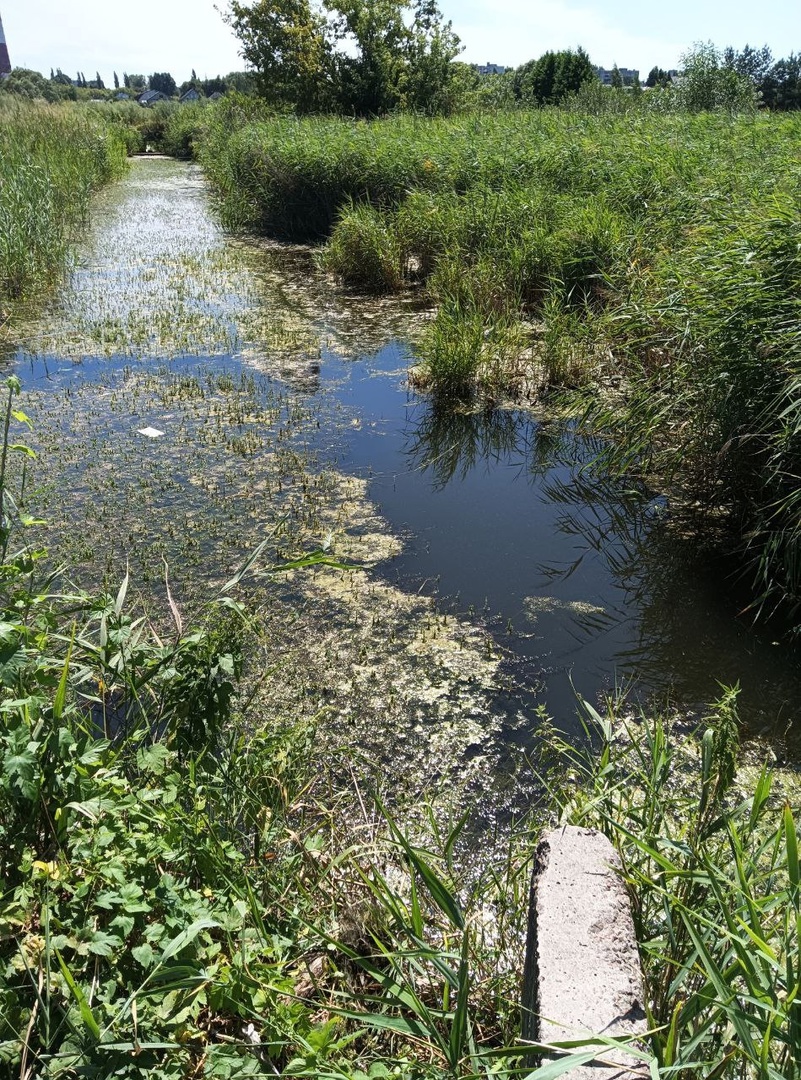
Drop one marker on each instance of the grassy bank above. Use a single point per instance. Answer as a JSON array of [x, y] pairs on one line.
[[51, 160], [654, 256], [187, 893]]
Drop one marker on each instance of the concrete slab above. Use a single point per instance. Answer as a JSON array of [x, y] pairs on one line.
[[582, 975]]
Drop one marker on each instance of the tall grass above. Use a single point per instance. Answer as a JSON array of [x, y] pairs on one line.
[[658, 254], [712, 864], [51, 160]]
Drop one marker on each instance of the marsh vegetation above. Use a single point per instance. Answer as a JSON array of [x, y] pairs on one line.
[[203, 873]]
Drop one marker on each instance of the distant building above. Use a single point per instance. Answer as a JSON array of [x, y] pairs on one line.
[[630, 76], [190, 95], [489, 69], [5, 63], [150, 97]]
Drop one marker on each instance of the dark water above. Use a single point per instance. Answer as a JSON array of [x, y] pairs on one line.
[[579, 581]]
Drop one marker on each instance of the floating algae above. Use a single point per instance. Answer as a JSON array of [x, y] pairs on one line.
[[165, 325]]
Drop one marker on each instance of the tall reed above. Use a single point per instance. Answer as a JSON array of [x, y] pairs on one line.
[[51, 160]]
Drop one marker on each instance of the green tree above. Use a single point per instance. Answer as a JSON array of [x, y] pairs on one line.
[[657, 76], [753, 64], [708, 84], [432, 84], [553, 77], [371, 81], [116, 81], [217, 85], [243, 82], [23, 82], [617, 78], [781, 86], [286, 44], [163, 82], [363, 57]]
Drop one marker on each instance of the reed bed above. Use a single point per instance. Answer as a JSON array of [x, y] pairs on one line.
[[652, 257], [51, 160]]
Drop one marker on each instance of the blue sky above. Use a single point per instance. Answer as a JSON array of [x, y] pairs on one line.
[[178, 35]]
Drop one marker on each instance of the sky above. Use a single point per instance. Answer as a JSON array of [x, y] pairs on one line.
[[179, 35]]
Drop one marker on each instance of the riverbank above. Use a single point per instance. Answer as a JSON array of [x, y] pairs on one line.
[[652, 256], [52, 159], [200, 879]]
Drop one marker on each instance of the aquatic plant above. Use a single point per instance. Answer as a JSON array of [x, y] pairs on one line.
[[567, 250], [364, 252]]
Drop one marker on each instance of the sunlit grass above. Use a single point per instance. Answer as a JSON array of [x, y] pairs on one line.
[[51, 160]]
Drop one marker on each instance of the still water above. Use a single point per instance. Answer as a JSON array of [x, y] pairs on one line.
[[280, 401]]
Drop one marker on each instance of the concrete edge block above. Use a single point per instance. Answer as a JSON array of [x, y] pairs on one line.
[[582, 973]]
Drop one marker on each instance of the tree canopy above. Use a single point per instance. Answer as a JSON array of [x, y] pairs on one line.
[[553, 77], [163, 82], [363, 57]]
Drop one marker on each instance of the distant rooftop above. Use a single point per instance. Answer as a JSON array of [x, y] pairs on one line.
[[489, 69]]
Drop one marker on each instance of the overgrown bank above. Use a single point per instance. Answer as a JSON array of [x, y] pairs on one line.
[[183, 899], [52, 158], [655, 256], [182, 896]]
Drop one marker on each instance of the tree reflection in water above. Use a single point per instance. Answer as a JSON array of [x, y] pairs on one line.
[[668, 617]]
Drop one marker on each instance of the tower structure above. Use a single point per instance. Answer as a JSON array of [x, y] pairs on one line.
[[5, 63]]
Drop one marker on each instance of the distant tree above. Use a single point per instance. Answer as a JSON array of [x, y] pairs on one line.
[[136, 83], [61, 78], [194, 76], [163, 82], [371, 79], [52, 75], [286, 44], [431, 51], [363, 57], [781, 86], [553, 77], [23, 82], [116, 81], [753, 64], [217, 85], [708, 84], [243, 82], [657, 76], [98, 83], [617, 78]]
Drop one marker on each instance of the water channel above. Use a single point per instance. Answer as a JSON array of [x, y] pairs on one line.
[[192, 393]]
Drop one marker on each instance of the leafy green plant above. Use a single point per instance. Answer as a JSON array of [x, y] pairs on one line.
[[712, 866], [364, 252]]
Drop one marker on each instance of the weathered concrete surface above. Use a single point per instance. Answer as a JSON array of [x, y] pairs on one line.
[[582, 974]]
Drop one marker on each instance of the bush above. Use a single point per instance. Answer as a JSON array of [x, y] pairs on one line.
[[364, 252]]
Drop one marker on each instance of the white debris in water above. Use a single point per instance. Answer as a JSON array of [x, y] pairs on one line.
[[150, 432]]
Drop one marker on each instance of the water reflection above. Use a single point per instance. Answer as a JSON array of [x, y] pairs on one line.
[[446, 444], [588, 571]]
